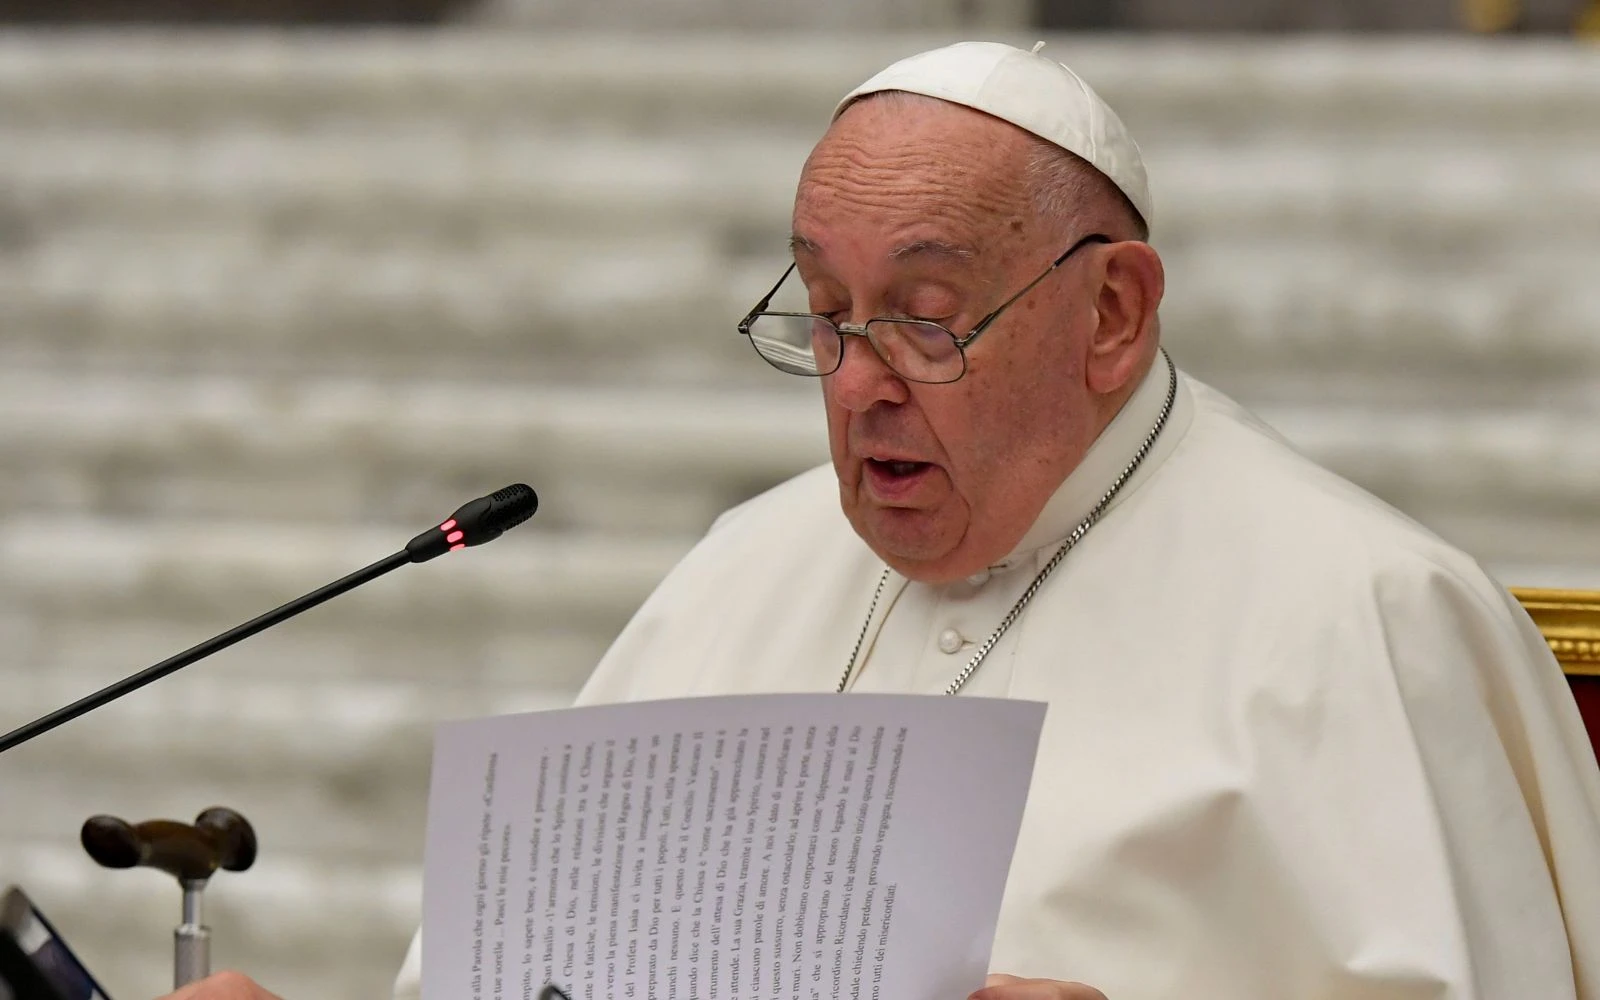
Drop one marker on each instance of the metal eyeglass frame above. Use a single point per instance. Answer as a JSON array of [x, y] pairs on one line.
[[842, 330]]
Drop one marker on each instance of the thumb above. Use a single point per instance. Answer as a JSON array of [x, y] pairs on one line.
[[996, 979]]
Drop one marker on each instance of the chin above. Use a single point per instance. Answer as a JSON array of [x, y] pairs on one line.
[[914, 543]]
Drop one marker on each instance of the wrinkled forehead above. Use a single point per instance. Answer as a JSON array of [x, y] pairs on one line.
[[888, 166]]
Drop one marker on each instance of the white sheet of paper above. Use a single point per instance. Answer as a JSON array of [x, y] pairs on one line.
[[782, 847]]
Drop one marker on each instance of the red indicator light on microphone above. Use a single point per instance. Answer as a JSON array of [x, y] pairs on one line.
[[448, 525], [455, 536], [458, 546]]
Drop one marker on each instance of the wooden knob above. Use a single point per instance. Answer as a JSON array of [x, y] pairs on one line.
[[235, 839], [219, 838]]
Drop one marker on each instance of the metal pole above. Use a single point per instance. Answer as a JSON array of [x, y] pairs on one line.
[[192, 939]]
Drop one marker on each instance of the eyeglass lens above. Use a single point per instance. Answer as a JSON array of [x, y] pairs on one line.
[[811, 345]]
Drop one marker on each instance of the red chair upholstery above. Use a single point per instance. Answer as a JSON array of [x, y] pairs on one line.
[[1570, 621]]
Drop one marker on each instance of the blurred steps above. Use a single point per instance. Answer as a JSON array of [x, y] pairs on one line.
[[185, 569], [337, 191], [660, 83], [1508, 308], [292, 450], [111, 446], [272, 303]]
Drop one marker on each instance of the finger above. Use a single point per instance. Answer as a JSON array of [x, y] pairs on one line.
[[197, 990], [228, 985], [1001, 979]]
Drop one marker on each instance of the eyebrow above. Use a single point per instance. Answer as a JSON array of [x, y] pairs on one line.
[[916, 248], [935, 248]]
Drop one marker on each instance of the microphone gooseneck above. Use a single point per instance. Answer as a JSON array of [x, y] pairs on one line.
[[481, 520]]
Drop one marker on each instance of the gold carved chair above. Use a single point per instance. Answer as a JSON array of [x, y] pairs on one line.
[[1570, 622]]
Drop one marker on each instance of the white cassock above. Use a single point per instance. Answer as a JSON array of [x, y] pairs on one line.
[[1296, 746]]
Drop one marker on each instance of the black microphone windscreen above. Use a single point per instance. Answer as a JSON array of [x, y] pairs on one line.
[[511, 506]]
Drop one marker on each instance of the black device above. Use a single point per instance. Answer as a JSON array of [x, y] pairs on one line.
[[35, 962]]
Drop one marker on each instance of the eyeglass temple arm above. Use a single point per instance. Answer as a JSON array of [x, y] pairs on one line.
[[766, 300], [983, 324]]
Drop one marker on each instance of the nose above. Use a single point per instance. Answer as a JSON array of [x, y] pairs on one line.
[[862, 380]]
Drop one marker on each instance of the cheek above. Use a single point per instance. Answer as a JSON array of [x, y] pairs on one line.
[[1015, 417], [838, 419], [957, 420]]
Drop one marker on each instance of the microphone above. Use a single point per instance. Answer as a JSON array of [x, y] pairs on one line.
[[478, 521]]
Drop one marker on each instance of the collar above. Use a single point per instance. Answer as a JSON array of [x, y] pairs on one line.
[[1107, 457]]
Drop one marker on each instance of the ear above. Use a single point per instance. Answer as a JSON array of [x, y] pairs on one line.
[[1124, 339]]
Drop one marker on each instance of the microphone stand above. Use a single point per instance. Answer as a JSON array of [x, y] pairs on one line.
[[39, 727], [478, 521]]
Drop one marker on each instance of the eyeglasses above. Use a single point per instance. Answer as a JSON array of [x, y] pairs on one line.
[[916, 350]]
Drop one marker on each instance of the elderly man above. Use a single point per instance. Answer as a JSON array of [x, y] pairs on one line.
[[1296, 746]]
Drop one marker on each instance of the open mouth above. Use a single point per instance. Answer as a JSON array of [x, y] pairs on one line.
[[896, 481], [896, 469]]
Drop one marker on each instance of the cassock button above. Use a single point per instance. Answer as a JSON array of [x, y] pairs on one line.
[[979, 578], [950, 641]]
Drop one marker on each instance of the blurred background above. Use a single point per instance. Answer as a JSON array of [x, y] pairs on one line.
[[284, 281]]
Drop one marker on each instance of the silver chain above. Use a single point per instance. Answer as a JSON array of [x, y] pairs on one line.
[[1072, 540]]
